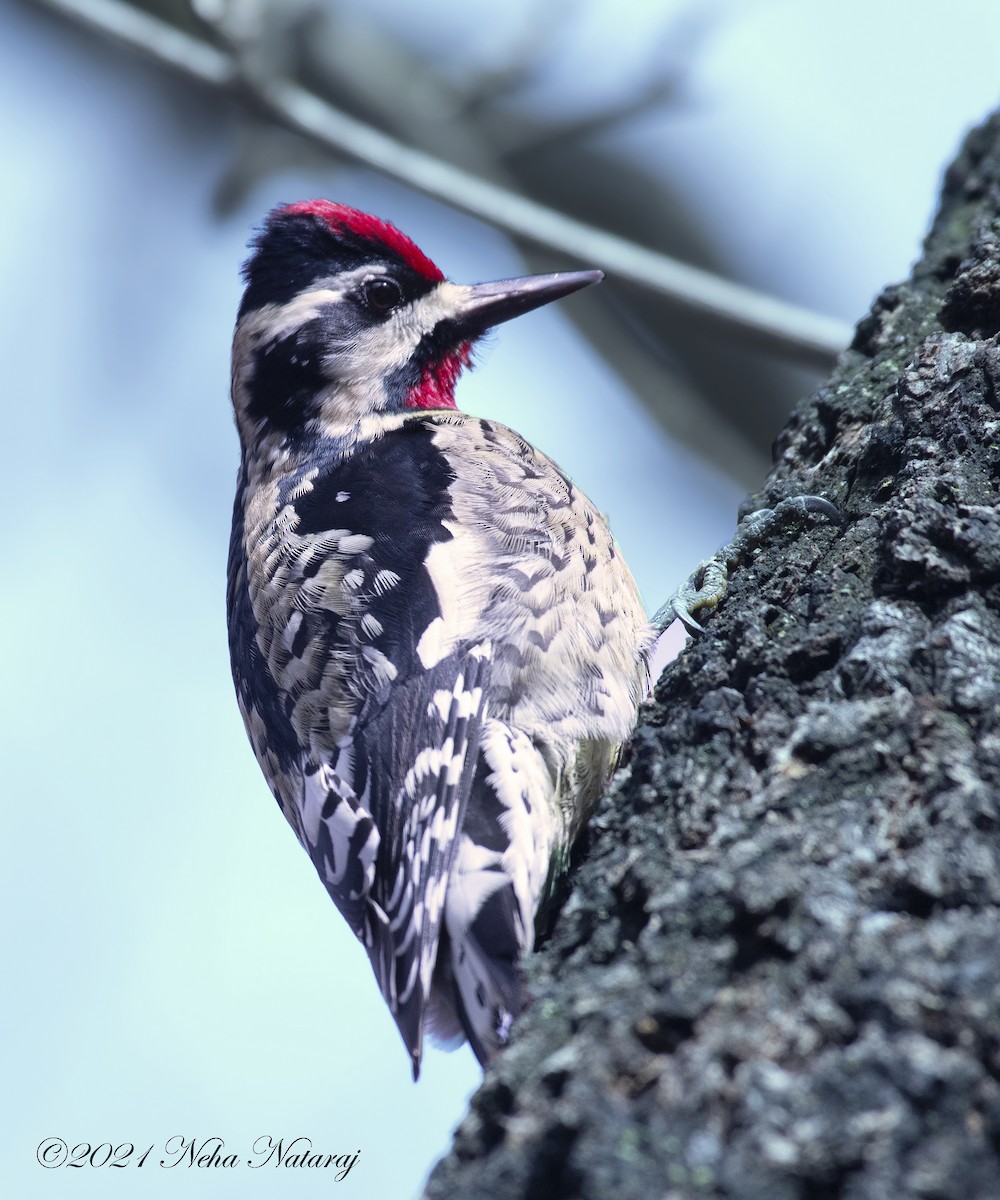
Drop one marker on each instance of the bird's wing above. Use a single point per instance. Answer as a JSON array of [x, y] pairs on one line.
[[434, 724], [388, 720], [385, 850]]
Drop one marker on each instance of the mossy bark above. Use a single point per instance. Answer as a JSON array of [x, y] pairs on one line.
[[777, 974]]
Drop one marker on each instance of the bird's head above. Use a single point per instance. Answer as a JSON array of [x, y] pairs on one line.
[[344, 318]]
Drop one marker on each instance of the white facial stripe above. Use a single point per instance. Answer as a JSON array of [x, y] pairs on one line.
[[356, 367], [441, 302], [384, 348], [279, 320]]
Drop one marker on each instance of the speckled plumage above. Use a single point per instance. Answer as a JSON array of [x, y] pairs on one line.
[[437, 648]]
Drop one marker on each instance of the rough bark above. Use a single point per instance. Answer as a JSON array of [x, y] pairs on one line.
[[777, 973]]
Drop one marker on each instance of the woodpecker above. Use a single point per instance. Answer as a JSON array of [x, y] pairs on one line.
[[437, 647]]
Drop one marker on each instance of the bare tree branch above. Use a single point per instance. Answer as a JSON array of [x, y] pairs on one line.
[[771, 324]]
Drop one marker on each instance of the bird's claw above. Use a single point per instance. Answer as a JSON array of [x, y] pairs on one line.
[[707, 585]]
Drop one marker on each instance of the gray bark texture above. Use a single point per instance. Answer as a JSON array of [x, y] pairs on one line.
[[777, 971]]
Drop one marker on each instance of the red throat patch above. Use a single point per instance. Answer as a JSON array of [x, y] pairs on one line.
[[436, 388], [340, 216]]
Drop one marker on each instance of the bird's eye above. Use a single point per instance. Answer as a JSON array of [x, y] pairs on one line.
[[382, 295]]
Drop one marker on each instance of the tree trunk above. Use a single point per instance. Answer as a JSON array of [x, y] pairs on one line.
[[777, 974]]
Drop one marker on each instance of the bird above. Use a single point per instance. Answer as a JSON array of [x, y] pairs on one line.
[[437, 647]]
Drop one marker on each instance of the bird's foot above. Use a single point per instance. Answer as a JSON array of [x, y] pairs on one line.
[[707, 585]]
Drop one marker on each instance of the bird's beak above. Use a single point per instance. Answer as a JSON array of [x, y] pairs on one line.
[[489, 304]]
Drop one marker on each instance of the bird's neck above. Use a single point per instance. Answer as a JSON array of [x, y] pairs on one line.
[[436, 387]]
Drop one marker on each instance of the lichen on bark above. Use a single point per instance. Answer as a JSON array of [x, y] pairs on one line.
[[777, 973]]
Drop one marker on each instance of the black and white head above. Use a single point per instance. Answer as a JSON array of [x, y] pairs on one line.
[[344, 318]]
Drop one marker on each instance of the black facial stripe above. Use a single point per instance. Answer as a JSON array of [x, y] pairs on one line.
[[293, 251], [433, 347], [286, 379]]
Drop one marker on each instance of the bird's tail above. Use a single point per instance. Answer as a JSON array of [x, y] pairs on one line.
[[498, 873], [484, 962]]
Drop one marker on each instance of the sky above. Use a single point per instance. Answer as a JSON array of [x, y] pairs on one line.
[[174, 968]]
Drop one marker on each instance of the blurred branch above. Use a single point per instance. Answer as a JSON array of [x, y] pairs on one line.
[[596, 123], [540, 35], [676, 47], [783, 328]]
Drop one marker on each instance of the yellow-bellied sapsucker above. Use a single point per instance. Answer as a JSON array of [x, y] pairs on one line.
[[437, 648]]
